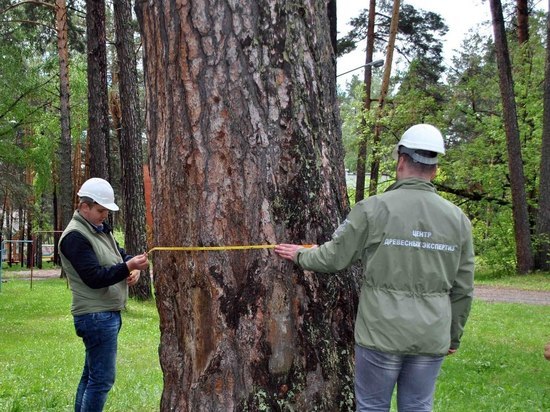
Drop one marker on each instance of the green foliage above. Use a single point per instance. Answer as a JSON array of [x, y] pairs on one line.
[[351, 110], [419, 33], [466, 105], [119, 237], [494, 242], [29, 103]]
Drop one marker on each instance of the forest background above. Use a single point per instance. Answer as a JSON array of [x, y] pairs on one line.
[[462, 98]]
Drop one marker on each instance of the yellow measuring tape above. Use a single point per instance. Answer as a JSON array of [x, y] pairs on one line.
[[213, 248]]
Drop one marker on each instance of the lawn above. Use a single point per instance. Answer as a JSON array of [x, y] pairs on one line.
[[500, 366], [41, 357]]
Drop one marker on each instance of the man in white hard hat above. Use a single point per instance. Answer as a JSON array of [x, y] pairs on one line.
[[417, 255], [99, 273]]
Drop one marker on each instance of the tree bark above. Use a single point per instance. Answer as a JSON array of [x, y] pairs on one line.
[[524, 253], [332, 18], [98, 104], [131, 151], [522, 8], [375, 163], [542, 257], [363, 143], [64, 148], [246, 149]]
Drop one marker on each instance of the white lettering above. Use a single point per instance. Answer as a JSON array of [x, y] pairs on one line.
[[418, 244], [419, 233]]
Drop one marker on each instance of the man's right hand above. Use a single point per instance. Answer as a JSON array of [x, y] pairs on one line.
[[287, 251], [139, 262]]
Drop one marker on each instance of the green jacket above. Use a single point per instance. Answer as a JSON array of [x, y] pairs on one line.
[[417, 255], [86, 299]]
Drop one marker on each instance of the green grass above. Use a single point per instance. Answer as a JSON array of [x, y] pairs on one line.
[[499, 367], [41, 357], [533, 281]]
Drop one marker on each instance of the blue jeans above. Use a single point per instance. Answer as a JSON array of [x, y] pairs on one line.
[[99, 332], [377, 373]]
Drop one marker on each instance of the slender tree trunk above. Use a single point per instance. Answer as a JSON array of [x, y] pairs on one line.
[[131, 152], [542, 261], [78, 175], [98, 105], [332, 14], [246, 149], [64, 149], [29, 236], [57, 227], [3, 212], [524, 254], [29, 215], [20, 235], [363, 143], [522, 8], [375, 163], [10, 237]]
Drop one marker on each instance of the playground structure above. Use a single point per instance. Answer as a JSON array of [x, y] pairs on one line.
[[47, 251]]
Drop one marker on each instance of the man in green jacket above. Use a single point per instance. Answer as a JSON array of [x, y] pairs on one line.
[[417, 255]]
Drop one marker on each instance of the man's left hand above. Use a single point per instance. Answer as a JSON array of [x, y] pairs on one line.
[[133, 278]]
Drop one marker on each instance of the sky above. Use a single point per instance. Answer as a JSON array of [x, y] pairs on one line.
[[459, 15]]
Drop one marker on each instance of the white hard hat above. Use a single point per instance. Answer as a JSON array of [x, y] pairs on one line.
[[421, 137], [100, 191]]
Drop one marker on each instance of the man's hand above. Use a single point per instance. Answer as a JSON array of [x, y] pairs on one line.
[[451, 352], [139, 262], [133, 278], [287, 251]]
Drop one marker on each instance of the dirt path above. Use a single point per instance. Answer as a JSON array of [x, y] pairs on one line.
[[482, 292], [497, 294], [36, 274]]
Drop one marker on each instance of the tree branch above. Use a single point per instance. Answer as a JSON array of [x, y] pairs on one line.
[[37, 23], [472, 195], [21, 3], [14, 103]]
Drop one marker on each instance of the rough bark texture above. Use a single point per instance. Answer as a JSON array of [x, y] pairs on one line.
[[522, 8], [245, 149], [64, 150], [332, 18], [524, 254], [98, 104], [542, 260], [131, 151]]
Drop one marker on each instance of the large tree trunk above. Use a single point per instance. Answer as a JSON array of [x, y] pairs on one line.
[[524, 253], [375, 163], [98, 104], [245, 149], [131, 151], [542, 258], [363, 142]]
